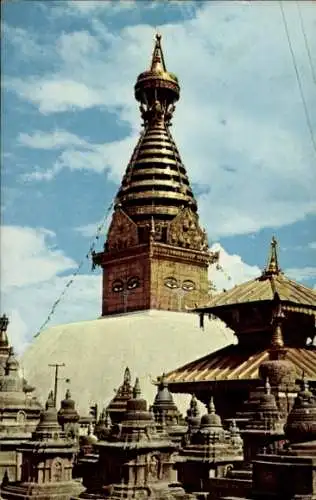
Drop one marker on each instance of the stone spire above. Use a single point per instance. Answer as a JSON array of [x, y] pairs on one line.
[[68, 416], [300, 427], [48, 427], [4, 342], [4, 322], [117, 406]]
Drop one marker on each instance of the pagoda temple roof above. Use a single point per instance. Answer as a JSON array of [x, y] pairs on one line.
[[235, 363], [272, 282]]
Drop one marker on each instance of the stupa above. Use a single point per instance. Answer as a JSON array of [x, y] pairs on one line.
[[19, 410], [135, 461], [47, 462], [155, 266]]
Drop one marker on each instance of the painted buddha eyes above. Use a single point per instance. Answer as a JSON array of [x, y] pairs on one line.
[[120, 286], [186, 285], [132, 283], [171, 283], [117, 286]]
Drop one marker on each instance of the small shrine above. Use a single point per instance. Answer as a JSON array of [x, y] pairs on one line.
[[68, 417], [291, 472], [136, 461], [117, 407], [19, 410], [167, 416], [47, 462], [208, 452], [103, 425]]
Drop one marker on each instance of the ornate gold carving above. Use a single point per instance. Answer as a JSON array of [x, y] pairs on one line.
[[185, 231], [122, 232]]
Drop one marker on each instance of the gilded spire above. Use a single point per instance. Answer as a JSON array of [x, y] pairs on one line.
[[158, 62], [273, 262], [277, 335], [155, 186], [157, 89]]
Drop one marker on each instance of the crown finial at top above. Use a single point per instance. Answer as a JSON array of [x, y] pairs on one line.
[[157, 89], [127, 376], [157, 61], [273, 261]]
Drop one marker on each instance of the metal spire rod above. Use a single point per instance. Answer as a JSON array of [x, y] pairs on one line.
[[56, 366]]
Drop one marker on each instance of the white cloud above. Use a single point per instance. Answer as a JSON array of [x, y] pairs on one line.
[[240, 124], [31, 283], [312, 245], [25, 43], [64, 94], [79, 154], [53, 140], [88, 7], [301, 273], [23, 244], [90, 230], [234, 270]]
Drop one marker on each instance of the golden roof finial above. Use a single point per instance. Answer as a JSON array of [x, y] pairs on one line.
[[157, 61], [277, 335], [273, 263]]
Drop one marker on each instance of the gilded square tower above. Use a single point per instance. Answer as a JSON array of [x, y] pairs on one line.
[[156, 255]]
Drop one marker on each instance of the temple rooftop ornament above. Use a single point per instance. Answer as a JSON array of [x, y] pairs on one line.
[[272, 285]]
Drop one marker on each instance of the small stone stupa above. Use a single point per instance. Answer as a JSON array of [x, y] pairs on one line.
[[136, 461], [47, 462], [20, 412]]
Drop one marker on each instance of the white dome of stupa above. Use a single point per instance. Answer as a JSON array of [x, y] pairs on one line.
[[97, 352]]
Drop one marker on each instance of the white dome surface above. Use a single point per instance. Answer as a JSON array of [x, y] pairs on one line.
[[97, 352]]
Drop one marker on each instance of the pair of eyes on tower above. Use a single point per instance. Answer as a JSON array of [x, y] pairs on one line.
[[130, 284], [173, 283]]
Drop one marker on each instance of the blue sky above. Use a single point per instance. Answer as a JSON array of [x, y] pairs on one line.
[[70, 121]]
